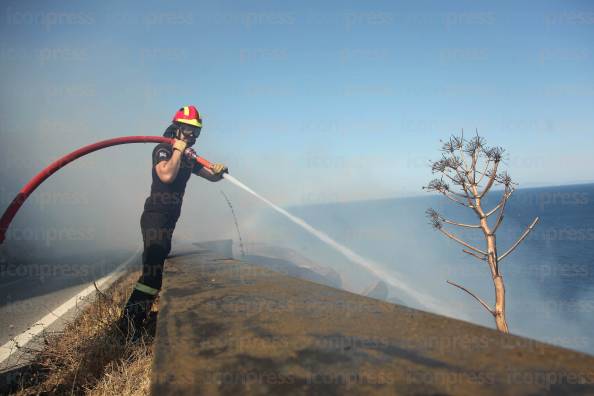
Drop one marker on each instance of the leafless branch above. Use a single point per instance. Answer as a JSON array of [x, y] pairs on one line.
[[506, 194], [436, 218], [504, 198], [474, 147], [469, 198], [459, 183], [524, 235], [475, 157], [440, 186], [445, 193], [461, 149], [483, 173], [489, 213], [484, 304], [492, 178], [482, 258], [462, 183], [498, 222], [465, 182], [460, 241], [460, 224]]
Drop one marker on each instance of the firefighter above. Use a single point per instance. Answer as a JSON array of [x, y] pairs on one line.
[[172, 167]]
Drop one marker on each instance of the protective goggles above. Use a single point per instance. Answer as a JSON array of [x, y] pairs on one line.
[[189, 131]]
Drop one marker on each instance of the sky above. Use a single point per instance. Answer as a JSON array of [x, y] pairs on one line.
[[339, 100], [306, 102]]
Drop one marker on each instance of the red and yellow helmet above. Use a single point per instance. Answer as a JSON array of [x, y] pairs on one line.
[[188, 115]]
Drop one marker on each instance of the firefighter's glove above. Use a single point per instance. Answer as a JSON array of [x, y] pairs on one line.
[[219, 169], [179, 145]]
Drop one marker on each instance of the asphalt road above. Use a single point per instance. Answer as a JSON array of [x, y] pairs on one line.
[[29, 291]]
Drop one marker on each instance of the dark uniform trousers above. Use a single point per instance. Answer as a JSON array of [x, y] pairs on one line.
[[157, 230]]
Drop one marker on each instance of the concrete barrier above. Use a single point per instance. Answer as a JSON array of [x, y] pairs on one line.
[[228, 327]]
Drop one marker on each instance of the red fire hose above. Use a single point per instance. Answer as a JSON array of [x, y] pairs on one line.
[[28, 188]]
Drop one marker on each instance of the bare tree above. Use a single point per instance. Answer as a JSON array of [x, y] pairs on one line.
[[472, 167]]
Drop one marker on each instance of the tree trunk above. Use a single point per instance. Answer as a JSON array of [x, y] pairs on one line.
[[492, 259], [499, 315]]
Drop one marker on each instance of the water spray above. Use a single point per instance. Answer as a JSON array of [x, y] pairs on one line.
[[367, 264], [241, 249]]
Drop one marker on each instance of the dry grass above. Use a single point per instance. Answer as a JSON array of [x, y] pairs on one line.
[[90, 355]]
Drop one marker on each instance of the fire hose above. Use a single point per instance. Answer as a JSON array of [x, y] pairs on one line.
[[52, 168]]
